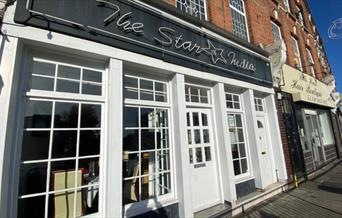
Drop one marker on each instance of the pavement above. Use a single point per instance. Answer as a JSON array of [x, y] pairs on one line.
[[319, 197]]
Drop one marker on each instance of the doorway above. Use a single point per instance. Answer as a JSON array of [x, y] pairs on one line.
[[264, 149], [203, 170]]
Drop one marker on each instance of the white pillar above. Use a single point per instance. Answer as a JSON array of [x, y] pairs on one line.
[[224, 150], [251, 127], [113, 147], [11, 54], [182, 166]]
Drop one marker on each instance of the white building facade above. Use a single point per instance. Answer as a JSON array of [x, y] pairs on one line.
[[129, 110]]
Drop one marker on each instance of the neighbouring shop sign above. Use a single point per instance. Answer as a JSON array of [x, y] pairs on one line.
[[306, 88], [128, 25]]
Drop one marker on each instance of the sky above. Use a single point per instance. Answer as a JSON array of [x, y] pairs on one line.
[[325, 12]]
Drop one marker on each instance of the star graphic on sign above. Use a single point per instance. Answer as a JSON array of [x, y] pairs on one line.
[[215, 53]]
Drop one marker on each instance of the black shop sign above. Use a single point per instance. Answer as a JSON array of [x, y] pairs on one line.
[[130, 26]]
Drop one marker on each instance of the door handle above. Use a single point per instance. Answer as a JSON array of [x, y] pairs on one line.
[[264, 152]]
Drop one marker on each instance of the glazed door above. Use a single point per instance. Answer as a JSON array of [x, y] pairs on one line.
[[314, 138], [205, 190], [264, 148]]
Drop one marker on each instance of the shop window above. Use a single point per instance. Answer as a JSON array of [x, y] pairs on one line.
[[296, 53], [145, 89], [146, 147], [195, 94], [259, 104], [276, 31], [238, 143], [237, 134], [326, 130], [311, 63], [233, 101], [239, 19], [61, 144], [196, 8]]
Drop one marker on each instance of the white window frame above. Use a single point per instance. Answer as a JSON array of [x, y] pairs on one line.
[[198, 104], [244, 14], [143, 206], [279, 30], [257, 103], [241, 177], [56, 96], [311, 63], [287, 6], [204, 5], [295, 47], [300, 16]]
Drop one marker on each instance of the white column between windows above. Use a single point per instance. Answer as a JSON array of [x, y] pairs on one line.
[[113, 148], [182, 166], [251, 127], [224, 145]]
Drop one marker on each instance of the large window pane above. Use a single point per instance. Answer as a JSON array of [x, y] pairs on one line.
[[64, 144], [38, 114], [131, 140], [68, 72], [89, 142], [35, 145], [66, 115], [91, 75], [31, 207], [32, 178], [131, 117], [42, 83], [130, 165], [90, 115]]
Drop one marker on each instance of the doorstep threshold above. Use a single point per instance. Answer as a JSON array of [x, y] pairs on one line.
[[214, 211]]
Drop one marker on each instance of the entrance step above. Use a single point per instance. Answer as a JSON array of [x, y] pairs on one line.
[[219, 210]]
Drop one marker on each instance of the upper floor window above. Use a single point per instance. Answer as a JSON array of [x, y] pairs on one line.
[[195, 8], [287, 5], [239, 19], [311, 62], [300, 16], [276, 31], [296, 53]]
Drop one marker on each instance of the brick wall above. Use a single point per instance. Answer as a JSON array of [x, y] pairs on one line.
[[259, 14], [284, 141]]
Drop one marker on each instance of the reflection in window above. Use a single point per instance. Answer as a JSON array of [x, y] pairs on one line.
[[75, 127]]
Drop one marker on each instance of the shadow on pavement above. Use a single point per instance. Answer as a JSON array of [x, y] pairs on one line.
[[331, 187]]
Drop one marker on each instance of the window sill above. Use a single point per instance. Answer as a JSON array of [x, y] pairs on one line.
[[146, 206], [243, 179]]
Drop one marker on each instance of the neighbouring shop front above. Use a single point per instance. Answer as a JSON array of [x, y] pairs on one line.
[[115, 109], [307, 102]]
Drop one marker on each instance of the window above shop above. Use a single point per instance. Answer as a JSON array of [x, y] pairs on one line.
[[296, 53], [239, 19], [276, 31], [196, 8], [311, 63], [287, 5]]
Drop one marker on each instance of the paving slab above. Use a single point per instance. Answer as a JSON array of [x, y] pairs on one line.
[[320, 197]]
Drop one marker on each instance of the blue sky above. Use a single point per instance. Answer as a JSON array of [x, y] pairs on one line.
[[325, 12]]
